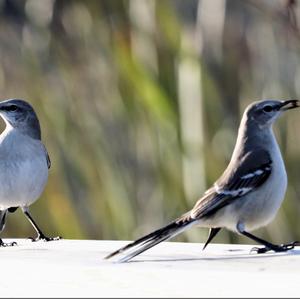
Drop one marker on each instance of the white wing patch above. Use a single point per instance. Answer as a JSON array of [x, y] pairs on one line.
[[255, 173], [233, 193], [242, 190]]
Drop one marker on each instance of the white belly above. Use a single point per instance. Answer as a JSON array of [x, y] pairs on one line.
[[256, 209], [263, 205], [23, 169], [23, 182]]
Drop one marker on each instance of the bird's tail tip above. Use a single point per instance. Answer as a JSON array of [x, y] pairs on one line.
[[150, 240]]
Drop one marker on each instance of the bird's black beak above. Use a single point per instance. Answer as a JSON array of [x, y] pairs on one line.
[[289, 104]]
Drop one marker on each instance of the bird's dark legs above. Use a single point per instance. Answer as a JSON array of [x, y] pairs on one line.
[[3, 214], [40, 234], [269, 246], [212, 233]]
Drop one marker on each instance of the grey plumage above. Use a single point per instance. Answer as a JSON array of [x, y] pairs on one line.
[[248, 193], [24, 161], [21, 116]]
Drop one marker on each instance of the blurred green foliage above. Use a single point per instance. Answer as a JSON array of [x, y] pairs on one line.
[[140, 101]]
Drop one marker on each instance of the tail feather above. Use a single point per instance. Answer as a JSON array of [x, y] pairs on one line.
[[152, 239], [142, 248]]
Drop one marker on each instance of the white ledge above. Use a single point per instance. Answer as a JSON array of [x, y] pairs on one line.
[[75, 268]]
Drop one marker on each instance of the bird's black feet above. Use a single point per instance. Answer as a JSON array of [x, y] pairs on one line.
[[276, 248], [3, 244], [44, 238]]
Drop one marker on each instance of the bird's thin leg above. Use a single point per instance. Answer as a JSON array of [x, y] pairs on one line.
[[40, 234], [3, 214], [269, 246]]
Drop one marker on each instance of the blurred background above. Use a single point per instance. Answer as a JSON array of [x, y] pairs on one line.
[[140, 102]]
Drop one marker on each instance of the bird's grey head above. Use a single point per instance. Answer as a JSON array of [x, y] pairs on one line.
[[20, 115], [264, 113]]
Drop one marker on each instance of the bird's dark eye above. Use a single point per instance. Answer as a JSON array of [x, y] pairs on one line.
[[268, 108], [12, 108]]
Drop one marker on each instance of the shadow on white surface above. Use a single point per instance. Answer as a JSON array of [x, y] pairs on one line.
[[216, 258]]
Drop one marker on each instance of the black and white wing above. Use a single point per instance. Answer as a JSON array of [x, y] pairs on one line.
[[248, 174]]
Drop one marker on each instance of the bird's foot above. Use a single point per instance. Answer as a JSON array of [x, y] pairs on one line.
[[44, 238], [276, 248], [10, 244]]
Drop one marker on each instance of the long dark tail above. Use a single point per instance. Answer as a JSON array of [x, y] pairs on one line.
[[153, 238]]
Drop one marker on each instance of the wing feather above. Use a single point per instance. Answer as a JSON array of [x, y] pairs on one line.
[[250, 173], [47, 157]]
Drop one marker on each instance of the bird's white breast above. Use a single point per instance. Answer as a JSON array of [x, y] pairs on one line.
[[259, 207], [275, 188], [23, 169]]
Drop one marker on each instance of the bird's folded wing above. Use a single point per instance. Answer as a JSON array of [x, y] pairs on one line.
[[47, 157], [240, 178]]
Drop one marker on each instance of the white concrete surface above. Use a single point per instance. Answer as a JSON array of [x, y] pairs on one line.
[[73, 268]]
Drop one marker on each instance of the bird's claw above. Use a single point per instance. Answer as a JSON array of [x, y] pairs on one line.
[[3, 244], [45, 238], [289, 246], [280, 248], [259, 250]]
